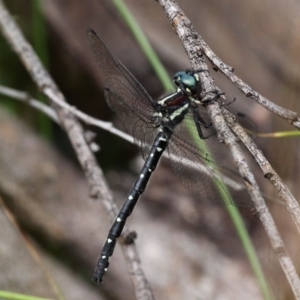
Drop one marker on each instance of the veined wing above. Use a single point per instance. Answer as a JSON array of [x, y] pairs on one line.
[[204, 167], [124, 94]]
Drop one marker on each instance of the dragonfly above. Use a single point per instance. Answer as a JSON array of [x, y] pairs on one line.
[[174, 123]]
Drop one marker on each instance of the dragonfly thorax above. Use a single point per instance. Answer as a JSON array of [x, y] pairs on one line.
[[170, 110]]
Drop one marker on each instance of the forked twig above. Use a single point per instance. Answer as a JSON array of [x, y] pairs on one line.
[[97, 184], [194, 46], [253, 189], [291, 116], [284, 193]]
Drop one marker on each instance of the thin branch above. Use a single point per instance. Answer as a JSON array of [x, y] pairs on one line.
[[217, 63], [24, 97], [97, 184], [260, 205], [192, 43], [108, 126], [284, 193], [50, 112]]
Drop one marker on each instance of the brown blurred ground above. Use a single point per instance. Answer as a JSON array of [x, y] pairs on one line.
[[188, 250]]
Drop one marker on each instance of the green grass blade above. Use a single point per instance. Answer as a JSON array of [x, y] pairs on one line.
[[280, 134], [15, 296], [40, 46], [145, 46]]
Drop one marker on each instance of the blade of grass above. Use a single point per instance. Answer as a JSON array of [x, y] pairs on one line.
[[280, 134], [15, 296], [40, 45], [145, 46]]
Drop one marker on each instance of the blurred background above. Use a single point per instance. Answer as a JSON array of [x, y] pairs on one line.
[[189, 250]]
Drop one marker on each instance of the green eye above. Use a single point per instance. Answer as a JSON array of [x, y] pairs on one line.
[[185, 80], [179, 75], [188, 80]]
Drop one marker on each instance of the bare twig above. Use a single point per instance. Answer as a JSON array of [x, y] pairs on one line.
[[98, 186], [50, 112], [284, 193], [25, 97], [253, 189], [217, 63], [193, 44], [290, 116]]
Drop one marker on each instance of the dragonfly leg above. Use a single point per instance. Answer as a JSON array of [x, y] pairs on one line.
[[200, 122]]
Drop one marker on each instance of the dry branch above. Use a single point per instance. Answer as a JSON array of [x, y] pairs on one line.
[[193, 45], [97, 184]]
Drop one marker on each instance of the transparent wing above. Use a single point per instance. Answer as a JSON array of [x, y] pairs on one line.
[[124, 94], [134, 121], [204, 167]]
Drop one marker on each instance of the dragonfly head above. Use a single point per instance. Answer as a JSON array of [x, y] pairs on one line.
[[188, 82]]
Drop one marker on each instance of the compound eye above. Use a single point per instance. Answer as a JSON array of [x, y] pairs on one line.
[[189, 81], [178, 75]]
